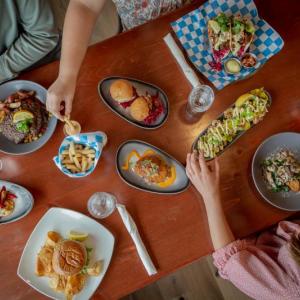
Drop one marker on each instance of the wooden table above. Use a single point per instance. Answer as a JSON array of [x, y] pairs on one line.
[[174, 228]]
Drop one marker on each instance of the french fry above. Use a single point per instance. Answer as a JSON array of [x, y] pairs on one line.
[[84, 164], [90, 163], [77, 162], [66, 161], [72, 168], [72, 148], [90, 151], [78, 158]]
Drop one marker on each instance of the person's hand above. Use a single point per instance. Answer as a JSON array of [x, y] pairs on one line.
[[205, 178], [60, 96]]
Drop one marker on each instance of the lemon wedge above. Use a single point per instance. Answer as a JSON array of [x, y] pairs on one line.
[[77, 236], [242, 99], [22, 115]]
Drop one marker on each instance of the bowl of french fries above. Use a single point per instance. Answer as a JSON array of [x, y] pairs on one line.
[[78, 154]]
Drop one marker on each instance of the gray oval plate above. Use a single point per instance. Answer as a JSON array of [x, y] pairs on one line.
[[23, 203], [284, 200], [181, 183], [9, 147], [141, 88], [194, 146]]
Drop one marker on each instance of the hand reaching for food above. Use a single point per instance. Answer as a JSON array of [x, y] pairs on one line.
[[205, 178], [60, 96]]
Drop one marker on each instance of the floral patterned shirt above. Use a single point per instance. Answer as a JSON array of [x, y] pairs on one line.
[[137, 12]]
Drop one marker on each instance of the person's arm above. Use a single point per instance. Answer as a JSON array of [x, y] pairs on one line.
[[79, 22], [249, 268], [37, 38], [206, 180]]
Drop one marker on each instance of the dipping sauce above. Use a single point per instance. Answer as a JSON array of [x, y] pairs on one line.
[[249, 60], [232, 66], [72, 127]]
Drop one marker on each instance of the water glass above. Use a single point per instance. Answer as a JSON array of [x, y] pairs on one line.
[[101, 205], [200, 100]]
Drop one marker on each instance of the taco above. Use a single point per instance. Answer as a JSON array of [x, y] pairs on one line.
[[242, 34], [219, 36]]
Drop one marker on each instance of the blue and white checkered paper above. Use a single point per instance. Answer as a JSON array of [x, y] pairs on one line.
[[95, 140], [191, 31]]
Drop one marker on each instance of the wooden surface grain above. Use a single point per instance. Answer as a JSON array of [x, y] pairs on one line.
[[174, 228]]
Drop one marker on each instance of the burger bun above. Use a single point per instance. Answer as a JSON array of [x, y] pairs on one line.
[[69, 257], [139, 109], [121, 91]]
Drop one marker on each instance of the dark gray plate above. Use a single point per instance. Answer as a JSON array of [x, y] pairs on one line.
[[284, 200], [23, 203], [141, 88], [9, 147], [181, 183], [194, 146]]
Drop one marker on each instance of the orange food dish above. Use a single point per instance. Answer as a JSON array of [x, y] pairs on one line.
[[152, 168]]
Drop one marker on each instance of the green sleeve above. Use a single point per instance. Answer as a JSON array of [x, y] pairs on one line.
[[38, 37]]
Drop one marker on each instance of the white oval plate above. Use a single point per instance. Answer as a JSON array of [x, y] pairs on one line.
[[23, 203]]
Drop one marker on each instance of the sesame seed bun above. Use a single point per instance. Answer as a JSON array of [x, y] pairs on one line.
[[139, 109], [121, 91], [69, 257]]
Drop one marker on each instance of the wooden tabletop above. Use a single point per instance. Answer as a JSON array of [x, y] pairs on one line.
[[174, 228]]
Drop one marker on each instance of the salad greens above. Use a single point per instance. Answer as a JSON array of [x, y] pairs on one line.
[[248, 110], [281, 171], [85, 267], [24, 126], [223, 22], [237, 26]]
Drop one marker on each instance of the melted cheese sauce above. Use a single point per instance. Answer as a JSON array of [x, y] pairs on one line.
[[169, 181]]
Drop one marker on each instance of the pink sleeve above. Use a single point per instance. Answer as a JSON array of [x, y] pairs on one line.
[[254, 272]]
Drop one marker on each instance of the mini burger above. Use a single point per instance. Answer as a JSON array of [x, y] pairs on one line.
[[69, 258], [139, 109], [122, 91]]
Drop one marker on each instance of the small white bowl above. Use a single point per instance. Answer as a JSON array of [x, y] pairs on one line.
[[232, 59], [249, 54]]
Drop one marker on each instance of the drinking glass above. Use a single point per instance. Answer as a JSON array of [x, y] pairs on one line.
[[101, 205], [200, 100]]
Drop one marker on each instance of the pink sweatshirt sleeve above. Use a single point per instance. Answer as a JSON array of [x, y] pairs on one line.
[[255, 272]]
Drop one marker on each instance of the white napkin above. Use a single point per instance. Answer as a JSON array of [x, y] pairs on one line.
[[133, 231], [177, 53]]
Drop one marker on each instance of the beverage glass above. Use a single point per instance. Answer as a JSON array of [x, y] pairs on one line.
[[101, 205], [200, 100]]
